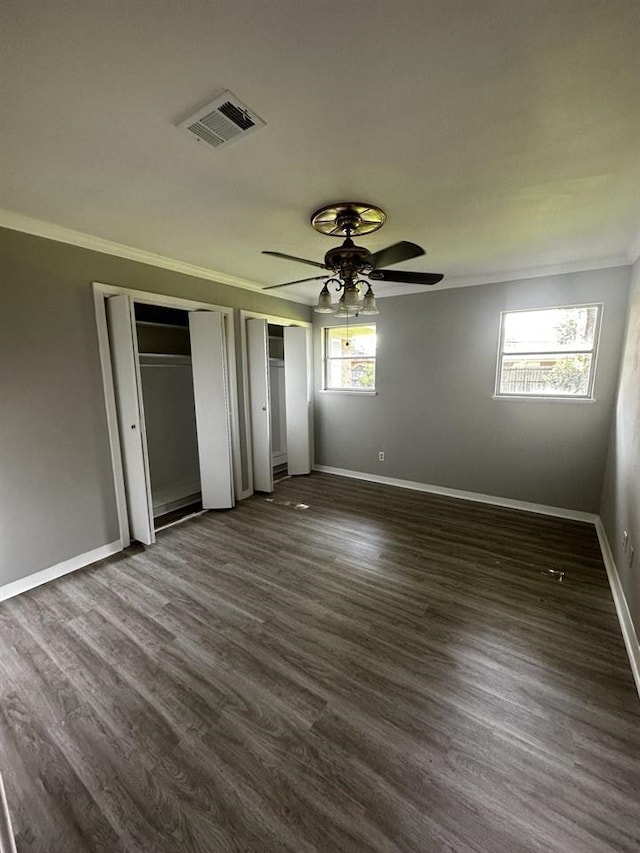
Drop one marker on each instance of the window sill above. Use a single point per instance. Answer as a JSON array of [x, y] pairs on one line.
[[535, 398], [348, 391]]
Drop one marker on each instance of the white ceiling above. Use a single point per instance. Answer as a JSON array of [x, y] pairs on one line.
[[502, 135]]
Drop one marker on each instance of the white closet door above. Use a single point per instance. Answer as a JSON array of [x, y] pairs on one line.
[[133, 436], [278, 412], [258, 356], [298, 399], [211, 395]]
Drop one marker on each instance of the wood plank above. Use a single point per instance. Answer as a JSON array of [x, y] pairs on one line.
[[382, 671]]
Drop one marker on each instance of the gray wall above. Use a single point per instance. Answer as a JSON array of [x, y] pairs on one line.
[[56, 487], [620, 508], [170, 425], [434, 415]]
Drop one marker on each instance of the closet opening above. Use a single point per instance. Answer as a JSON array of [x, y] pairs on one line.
[[164, 347], [169, 373], [277, 361], [278, 410]]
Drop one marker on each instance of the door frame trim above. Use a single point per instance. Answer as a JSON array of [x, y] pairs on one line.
[[100, 292], [244, 352]]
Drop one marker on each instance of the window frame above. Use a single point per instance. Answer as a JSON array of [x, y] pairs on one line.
[[327, 359], [522, 395]]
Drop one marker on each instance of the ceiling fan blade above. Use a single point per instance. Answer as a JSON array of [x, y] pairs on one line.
[[297, 281], [294, 258], [402, 251], [406, 277]]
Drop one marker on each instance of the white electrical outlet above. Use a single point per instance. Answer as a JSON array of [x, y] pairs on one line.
[[381, 456], [625, 539]]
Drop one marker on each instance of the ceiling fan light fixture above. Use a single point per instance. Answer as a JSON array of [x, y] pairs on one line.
[[345, 310], [369, 306], [324, 305], [351, 296], [347, 262]]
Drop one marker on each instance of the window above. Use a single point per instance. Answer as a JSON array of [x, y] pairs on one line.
[[350, 358], [549, 352]]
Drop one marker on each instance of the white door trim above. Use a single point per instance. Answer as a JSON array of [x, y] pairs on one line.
[[244, 355], [125, 363], [211, 399], [297, 367], [112, 417], [100, 292], [259, 404]]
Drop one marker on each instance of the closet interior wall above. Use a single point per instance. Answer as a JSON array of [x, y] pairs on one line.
[[167, 390], [278, 410]]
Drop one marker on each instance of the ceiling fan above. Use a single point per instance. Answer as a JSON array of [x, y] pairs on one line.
[[347, 262]]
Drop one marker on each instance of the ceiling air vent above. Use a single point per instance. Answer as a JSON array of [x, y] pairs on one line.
[[222, 121]]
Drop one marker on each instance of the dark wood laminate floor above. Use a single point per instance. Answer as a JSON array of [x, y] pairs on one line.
[[383, 671]]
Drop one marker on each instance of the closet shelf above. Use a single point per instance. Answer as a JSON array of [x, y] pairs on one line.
[[163, 355], [164, 358]]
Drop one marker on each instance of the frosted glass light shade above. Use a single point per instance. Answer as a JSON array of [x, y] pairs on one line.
[[324, 305], [351, 297], [344, 310], [369, 303]]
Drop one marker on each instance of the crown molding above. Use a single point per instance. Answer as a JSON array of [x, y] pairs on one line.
[[39, 228], [451, 282], [633, 252], [535, 272]]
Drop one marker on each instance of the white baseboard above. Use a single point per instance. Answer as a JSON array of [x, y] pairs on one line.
[[622, 608], [180, 520], [541, 509], [177, 503], [53, 572], [7, 842], [175, 495]]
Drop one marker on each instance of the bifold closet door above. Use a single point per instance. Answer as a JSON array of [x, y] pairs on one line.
[[260, 404], [131, 425], [211, 395], [298, 399]]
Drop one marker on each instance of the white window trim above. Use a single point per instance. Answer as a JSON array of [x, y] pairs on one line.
[[349, 391], [358, 392], [564, 398], [540, 397]]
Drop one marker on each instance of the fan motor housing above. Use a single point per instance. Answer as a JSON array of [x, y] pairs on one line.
[[349, 260]]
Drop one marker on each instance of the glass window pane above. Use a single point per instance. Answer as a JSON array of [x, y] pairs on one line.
[[350, 358], [551, 329], [548, 375], [349, 373], [357, 340]]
